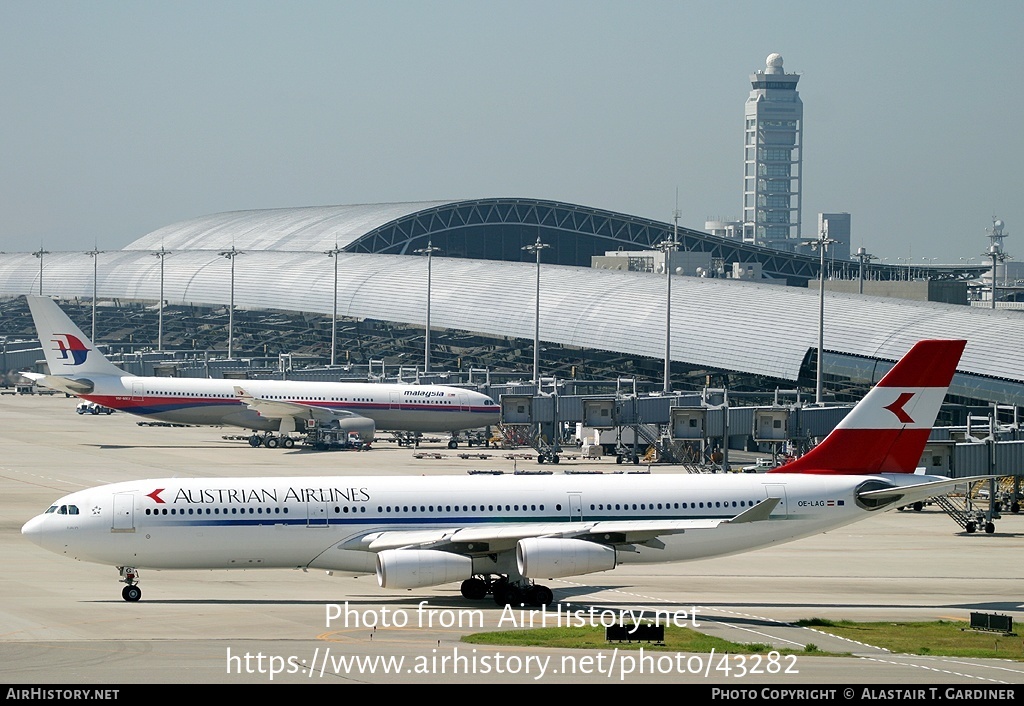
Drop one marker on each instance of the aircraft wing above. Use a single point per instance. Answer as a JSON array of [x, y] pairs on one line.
[[485, 540], [275, 409], [61, 384]]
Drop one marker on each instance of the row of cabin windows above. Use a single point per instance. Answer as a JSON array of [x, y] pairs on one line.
[[673, 506], [290, 398], [191, 394], [297, 400], [384, 509], [337, 509], [269, 397], [216, 511], [464, 508]]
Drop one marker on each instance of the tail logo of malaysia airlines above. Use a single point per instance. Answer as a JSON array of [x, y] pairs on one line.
[[156, 495], [71, 347], [897, 407]]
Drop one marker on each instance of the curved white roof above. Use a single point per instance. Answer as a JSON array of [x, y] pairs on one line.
[[310, 229], [756, 328]]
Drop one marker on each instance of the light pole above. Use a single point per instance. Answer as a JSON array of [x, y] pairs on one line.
[[535, 248], [668, 247], [39, 253], [997, 255], [429, 252], [231, 255], [334, 252], [899, 270], [821, 244], [863, 257], [94, 254], [161, 253]]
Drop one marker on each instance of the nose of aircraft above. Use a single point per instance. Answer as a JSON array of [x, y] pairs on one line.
[[33, 530]]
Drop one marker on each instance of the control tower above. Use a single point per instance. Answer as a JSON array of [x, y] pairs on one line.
[[773, 158]]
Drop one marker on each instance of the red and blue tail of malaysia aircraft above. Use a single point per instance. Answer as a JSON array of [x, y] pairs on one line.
[[887, 431], [74, 363]]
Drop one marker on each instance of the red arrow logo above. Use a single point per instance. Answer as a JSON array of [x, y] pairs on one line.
[[156, 495], [897, 407]]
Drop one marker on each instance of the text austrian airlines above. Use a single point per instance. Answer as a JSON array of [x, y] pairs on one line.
[[281, 406], [497, 534]]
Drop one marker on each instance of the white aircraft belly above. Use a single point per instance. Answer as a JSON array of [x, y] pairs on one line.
[[265, 546]]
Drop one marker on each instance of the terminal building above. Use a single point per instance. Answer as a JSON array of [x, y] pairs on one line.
[[361, 263]]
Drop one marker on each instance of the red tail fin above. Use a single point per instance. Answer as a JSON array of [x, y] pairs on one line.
[[887, 431]]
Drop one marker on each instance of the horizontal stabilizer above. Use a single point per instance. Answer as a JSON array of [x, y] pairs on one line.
[[61, 384], [907, 494]]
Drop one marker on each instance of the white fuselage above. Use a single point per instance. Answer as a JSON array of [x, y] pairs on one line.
[[325, 522], [202, 401]]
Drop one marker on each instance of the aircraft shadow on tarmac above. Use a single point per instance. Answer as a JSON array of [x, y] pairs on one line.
[[157, 446]]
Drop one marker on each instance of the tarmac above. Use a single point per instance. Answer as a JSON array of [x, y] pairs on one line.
[[64, 622]]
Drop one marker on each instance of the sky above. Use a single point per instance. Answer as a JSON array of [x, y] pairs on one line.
[[121, 117]]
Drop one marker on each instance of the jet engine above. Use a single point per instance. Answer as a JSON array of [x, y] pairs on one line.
[[361, 425], [416, 568], [557, 558]]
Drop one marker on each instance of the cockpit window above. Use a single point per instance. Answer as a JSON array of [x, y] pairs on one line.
[[63, 510], [72, 509], [51, 509]]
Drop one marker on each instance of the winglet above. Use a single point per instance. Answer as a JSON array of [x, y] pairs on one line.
[[887, 431]]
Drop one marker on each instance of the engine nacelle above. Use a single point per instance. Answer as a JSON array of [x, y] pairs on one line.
[[361, 425], [542, 557], [416, 568]]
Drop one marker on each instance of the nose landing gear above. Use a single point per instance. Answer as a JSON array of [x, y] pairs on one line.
[[130, 576]]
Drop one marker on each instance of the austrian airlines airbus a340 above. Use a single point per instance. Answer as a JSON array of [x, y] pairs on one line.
[[497, 534], [275, 406]]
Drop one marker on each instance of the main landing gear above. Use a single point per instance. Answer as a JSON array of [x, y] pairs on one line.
[[521, 593], [271, 441], [971, 527], [130, 576]]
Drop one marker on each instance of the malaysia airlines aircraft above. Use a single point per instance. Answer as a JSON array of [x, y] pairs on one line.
[[277, 407], [497, 534]]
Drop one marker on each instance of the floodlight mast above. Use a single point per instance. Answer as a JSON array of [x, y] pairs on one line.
[[535, 248], [334, 252], [668, 247], [821, 244], [161, 253], [231, 255], [428, 251]]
